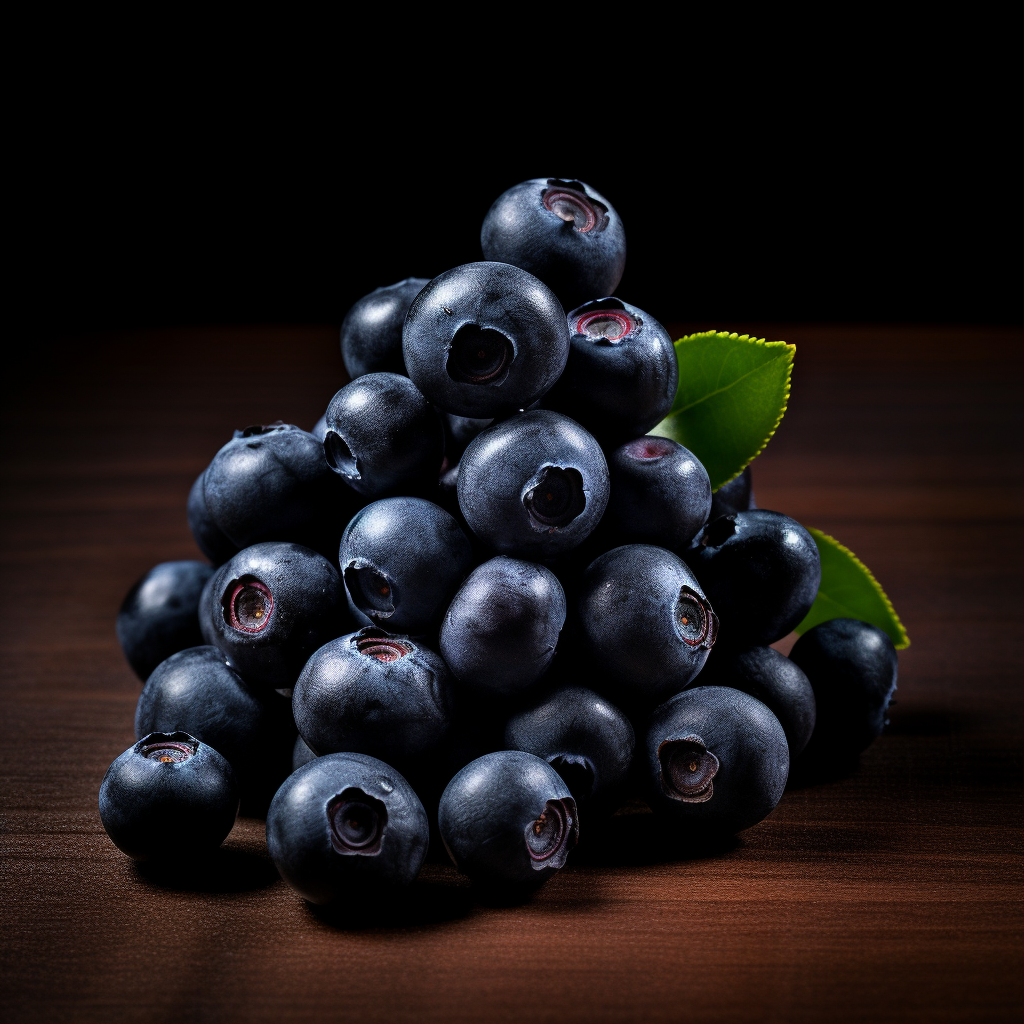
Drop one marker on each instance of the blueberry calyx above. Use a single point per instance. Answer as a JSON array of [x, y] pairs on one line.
[[168, 748], [649, 449], [696, 623], [576, 771], [340, 456], [717, 533], [606, 326], [375, 643], [688, 769], [569, 201], [550, 838], [257, 429], [554, 497], [479, 355], [357, 822], [372, 591], [248, 604]]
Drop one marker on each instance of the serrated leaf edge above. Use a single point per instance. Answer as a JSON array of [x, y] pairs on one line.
[[791, 353], [904, 641]]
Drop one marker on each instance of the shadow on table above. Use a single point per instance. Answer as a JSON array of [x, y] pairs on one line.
[[634, 837], [428, 901], [226, 870]]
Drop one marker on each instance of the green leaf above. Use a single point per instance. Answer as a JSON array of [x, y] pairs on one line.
[[849, 591], [732, 394]]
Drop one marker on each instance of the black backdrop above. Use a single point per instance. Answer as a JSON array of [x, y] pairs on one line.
[[203, 210]]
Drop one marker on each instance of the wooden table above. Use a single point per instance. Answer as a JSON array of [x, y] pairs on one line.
[[893, 893]]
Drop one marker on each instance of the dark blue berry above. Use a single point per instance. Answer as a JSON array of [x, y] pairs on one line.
[[501, 629], [586, 739], [168, 797], [160, 614], [383, 436], [852, 666], [267, 483], [622, 374], [533, 485], [660, 494], [402, 560], [197, 692], [485, 339], [563, 231], [760, 570], [371, 333], [716, 759], [646, 623], [775, 680], [374, 693], [346, 828], [508, 820], [270, 608], [735, 496]]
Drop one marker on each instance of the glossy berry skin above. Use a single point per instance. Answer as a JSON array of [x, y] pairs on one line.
[[402, 560], [534, 485], [760, 570], [645, 622], [508, 820], [501, 629], [735, 496], [371, 333], [563, 231], [622, 374], [197, 692], [586, 739], [383, 436], [716, 759], [374, 693], [660, 494], [168, 798], [772, 678], [269, 609], [267, 483], [160, 614], [485, 339], [852, 666], [346, 828]]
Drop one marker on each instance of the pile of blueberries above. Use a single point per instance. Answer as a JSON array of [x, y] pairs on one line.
[[479, 602]]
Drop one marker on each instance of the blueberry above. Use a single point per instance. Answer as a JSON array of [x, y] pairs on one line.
[[160, 614], [646, 622], [270, 608], [852, 667], [587, 740], [660, 494], [760, 570], [168, 797], [374, 693], [775, 680], [402, 559], [458, 432], [563, 231], [301, 754], [484, 339], [716, 758], [267, 483], [533, 485], [622, 374], [383, 436], [501, 629], [508, 820], [735, 496], [197, 692], [346, 827], [371, 333]]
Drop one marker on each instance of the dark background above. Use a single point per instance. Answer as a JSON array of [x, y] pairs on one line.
[[158, 195]]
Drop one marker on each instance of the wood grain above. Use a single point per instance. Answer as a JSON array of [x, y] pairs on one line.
[[891, 894]]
